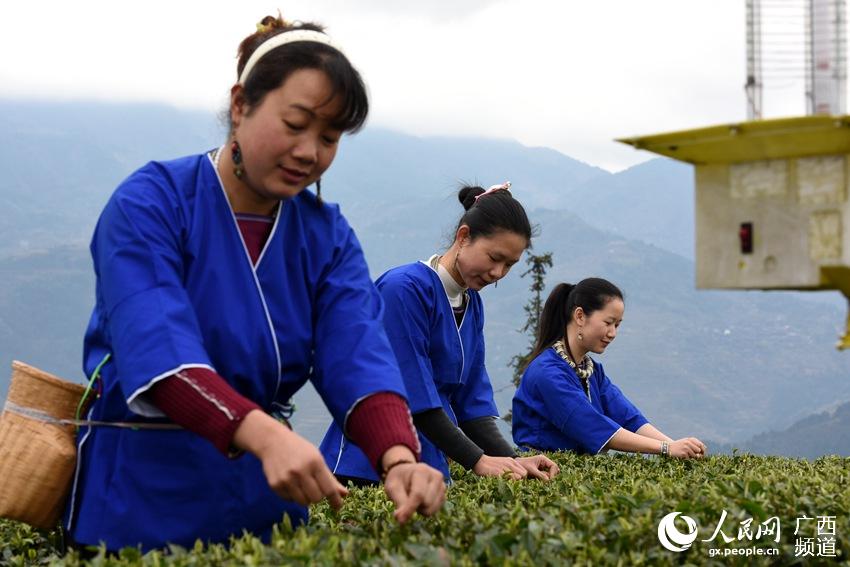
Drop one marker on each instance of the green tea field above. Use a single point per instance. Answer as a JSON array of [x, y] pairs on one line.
[[604, 510]]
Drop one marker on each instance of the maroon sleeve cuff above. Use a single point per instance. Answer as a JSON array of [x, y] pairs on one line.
[[201, 401], [379, 422]]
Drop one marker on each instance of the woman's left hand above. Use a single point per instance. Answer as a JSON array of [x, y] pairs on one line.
[[415, 487], [539, 466]]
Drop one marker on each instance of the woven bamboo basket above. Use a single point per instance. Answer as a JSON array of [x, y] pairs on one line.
[[37, 455]]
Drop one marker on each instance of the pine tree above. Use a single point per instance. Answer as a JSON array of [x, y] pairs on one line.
[[538, 263]]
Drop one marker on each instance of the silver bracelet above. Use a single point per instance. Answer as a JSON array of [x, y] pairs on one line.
[[665, 449]]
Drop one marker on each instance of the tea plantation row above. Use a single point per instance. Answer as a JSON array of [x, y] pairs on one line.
[[602, 510]]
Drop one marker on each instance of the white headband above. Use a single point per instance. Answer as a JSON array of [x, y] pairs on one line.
[[282, 39]]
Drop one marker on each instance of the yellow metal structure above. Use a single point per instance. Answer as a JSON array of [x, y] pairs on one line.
[[752, 141], [786, 183]]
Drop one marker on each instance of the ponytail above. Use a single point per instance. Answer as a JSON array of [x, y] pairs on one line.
[[553, 320]]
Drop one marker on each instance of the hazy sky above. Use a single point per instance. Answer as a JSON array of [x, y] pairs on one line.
[[567, 74]]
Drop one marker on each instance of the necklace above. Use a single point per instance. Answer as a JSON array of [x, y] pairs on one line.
[[455, 292], [216, 156], [583, 370], [216, 159]]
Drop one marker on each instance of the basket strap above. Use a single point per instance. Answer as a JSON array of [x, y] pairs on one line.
[[47, 418]]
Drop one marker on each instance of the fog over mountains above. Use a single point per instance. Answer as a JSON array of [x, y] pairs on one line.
[[724, 366]]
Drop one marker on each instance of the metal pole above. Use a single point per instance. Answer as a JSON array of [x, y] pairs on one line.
[[840, 35], [753, 86], [810, 59]]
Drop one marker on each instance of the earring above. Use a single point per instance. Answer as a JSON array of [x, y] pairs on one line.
[[236, 155], [319, 190], [456, 269], [496, 284], [580, 337]]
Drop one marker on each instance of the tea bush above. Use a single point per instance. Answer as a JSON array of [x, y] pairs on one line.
[[601, 510]]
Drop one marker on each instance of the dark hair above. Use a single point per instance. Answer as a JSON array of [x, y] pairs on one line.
[[278, 64], [494, 212], [590, 294]]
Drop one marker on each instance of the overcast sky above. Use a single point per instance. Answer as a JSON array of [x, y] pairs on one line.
[[571, 75]]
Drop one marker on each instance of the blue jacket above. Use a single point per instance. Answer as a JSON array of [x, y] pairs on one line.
[[442, 364], [551, 411], [176, 289]]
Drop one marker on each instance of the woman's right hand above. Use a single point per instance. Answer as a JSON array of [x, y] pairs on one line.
[[687, 448], [539, 466], [415, 487], [294, 468], [497, 466]]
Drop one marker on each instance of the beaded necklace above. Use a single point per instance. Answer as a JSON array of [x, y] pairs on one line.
[[215, 154], [583, 370]]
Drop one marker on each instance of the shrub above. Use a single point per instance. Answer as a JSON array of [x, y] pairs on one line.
[[601, 510]]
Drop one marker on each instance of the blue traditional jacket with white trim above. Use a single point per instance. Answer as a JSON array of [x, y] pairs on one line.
[[175, 289], [442, 364], [552, 412]]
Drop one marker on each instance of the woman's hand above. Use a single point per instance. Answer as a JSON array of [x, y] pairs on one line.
[[497, 466], [688, 448], [415, 487], [539, 466], [294, 468]]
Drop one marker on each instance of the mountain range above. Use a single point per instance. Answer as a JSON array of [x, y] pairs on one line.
[[819, 434], [720, 365]]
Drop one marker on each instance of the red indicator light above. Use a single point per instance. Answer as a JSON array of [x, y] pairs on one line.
[[745, 233]]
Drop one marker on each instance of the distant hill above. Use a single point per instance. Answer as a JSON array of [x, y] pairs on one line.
[[45, 302], [67, 158], [720, 365], [652, 202], [820, 434]]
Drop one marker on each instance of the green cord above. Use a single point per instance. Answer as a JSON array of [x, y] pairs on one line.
[[94, 377]]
